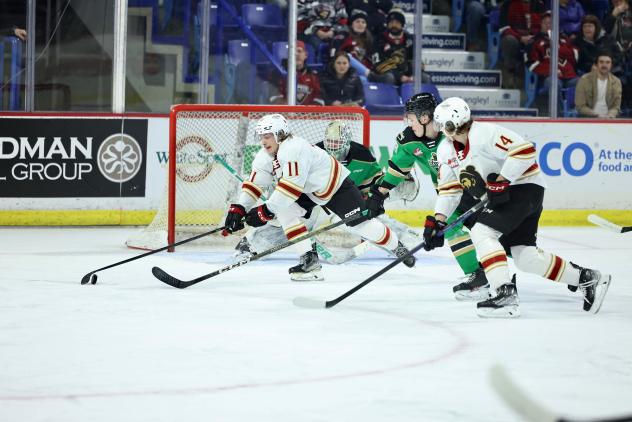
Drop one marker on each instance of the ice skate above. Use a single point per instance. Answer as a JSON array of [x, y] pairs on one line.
[[309, 268], [242, 249], [505, 304], [594, 285], [400, 251], [475, 287]]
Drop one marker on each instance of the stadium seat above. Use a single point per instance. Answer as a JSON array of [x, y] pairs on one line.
[[262, 16], [493, 38], [407, 90], [382, 99], [600, 8], [568, 102], [239, 51], [458, 8], [530, 86]]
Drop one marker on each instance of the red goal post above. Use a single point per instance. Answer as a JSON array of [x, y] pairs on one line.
[[206, 141]]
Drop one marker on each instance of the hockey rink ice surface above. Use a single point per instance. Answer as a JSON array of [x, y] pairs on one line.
[[235, 348]]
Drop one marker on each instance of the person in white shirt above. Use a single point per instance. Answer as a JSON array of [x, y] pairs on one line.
[[598, 93], [304, 176], [487, 159]]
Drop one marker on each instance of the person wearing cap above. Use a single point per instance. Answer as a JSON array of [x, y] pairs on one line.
[[375, 10], [359, 42], [394, 52], [307, 82]]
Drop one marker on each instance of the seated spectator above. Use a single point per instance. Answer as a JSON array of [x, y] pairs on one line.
[[571, 14], [359, 42], [340, 84], [475, 11], [15, 32], [519, 22], [590, 42], [540, 58], [307, 82], [619, 7], [375, 11], [598, 93], [320, 23], [394, 52]]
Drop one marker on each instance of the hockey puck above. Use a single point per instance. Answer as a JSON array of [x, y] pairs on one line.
[[93, 279]]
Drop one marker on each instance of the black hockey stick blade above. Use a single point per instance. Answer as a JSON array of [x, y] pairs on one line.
[[183, 284], [314, 303], [91, 277], [608, 225]]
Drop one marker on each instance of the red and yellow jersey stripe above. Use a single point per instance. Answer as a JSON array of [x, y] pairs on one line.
[[295, 231], [494, 260], [450, 188], [332, 182], [289, 189], [251, 189], [523, 152]]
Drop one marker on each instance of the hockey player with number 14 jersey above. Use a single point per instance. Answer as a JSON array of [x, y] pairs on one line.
[[488, 159]]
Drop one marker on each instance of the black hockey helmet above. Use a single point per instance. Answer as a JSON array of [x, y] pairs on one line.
[[422, 104]]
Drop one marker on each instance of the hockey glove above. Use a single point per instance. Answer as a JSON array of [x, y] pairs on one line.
[[472, 182], [375, 203], [497, 192], [234, 219], [259, 216], [432, 238]]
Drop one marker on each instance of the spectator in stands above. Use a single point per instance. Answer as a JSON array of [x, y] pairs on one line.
[[394, 52], [540, 57], [15, 32], [307, 82], [571, 14], [340, 84], [519, 22], [590, 42], [598, 93], [375, 10], [619, 7], [475, 11], [320, 23], [359, 42]]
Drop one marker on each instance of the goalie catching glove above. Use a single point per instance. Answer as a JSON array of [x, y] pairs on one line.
[[432, 238], [234, 219], [375, 202], [259, 216]]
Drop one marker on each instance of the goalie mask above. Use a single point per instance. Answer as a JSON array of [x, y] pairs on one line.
[[337, 139], [274, 124], [451, 114]]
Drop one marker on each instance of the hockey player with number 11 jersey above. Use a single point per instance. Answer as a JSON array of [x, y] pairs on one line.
[[304, 176]]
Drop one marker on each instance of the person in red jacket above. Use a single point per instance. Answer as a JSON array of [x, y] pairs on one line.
[[307, 82], [540, 57]]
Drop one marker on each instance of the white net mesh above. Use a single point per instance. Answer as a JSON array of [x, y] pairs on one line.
[[212, 142]]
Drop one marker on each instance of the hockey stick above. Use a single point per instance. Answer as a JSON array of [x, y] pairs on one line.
[[181, 284], [91, 277], [608, 225], [526, 406], [305, 302], [330, 257]]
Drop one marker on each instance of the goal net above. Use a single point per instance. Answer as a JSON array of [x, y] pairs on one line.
[[210, 148]]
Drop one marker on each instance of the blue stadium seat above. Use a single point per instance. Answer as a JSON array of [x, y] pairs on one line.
[[493, 37], [530, 86], [239, 51], [458, 8], [568, 102], [382, 99], [262, 16], [407, 91]]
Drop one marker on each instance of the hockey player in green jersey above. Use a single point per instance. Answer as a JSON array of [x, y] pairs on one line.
[[418, 143]]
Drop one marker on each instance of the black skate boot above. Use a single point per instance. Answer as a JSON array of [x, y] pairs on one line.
[[400, 251], [309, 268], [594, 285], [505, 304], [475, 287], [242, 249]]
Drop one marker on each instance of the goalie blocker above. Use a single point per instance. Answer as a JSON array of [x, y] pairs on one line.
[[303, 177]]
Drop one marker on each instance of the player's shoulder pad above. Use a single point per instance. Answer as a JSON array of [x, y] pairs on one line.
[[407, 136], [360, 152], [445, 151], [291, 149]]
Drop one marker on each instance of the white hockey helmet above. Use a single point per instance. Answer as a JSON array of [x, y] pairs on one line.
[[451, 114], [338, 139], [275, 124]]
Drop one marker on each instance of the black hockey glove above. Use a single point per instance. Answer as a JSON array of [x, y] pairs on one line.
[[234, 219], [259, 216], [432, 238], [375, 202], [497, 192], [472, 182]]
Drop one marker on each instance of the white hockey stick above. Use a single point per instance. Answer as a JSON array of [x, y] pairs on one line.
[[608, 225], [526, 406]]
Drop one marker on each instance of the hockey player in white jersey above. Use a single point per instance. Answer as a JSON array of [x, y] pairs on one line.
[[485, 158], [304, 176]]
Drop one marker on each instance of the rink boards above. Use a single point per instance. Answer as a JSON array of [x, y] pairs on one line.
[[585, 165]]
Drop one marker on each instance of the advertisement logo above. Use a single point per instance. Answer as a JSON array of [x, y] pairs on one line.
[[119, 158], [195, 159], [577, 159]]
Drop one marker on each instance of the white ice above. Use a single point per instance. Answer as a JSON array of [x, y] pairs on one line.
[[235, 348]]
